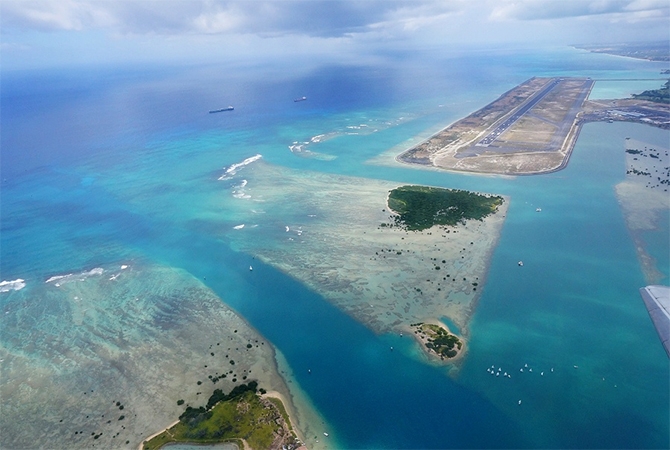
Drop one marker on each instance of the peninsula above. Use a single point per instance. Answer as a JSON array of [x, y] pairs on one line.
[[244, 417], [530, 129], [120, 352]]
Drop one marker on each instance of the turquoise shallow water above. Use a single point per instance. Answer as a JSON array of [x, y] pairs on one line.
[[125, 169]]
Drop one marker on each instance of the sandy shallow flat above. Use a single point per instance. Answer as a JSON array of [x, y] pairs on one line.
[[325, 230], [644, 197], [108, 353]]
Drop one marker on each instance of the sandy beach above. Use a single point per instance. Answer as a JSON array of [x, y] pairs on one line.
[[385, 277], [104, 358]]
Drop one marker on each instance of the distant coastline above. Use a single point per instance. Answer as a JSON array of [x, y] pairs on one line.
[[650, 51]]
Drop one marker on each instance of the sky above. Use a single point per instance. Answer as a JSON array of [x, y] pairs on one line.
[[38, 34]]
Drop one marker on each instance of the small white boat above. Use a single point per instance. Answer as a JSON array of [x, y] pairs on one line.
[[519, 402], [325, 434], [520, 263], [538, 209], [251, 268]]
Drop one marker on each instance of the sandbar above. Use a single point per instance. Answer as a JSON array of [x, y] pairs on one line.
[[643, 196], [385, 277]]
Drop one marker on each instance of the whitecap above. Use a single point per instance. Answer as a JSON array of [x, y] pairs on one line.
[[238, 227], [58, 277], [14, 285], [232, 170], [74, 276], [295, 148]]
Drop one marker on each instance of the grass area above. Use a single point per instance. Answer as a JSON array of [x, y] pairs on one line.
[[242, 414], [282, 410], [421, 207]]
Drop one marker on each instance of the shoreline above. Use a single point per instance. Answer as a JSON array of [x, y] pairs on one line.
[[278, 395], [141, 445], [293, 407], [160, 339]]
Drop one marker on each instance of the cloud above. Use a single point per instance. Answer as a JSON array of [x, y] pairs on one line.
[[61, 15], [60, 31], [324, 18], [555, 9]]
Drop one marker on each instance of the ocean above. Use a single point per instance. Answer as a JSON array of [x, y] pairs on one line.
[[101, 166]]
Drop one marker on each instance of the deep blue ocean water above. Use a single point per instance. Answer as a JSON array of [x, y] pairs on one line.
[[102, 166]]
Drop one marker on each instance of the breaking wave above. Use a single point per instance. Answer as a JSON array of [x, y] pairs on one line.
[[14, 285], [57, 280], [232, 170]]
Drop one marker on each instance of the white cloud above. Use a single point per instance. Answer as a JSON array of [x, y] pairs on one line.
[[141, 30], [558, 9], [55, 15]]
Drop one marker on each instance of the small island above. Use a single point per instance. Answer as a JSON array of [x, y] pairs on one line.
[[244, 417], [437, 340], [418, 208]]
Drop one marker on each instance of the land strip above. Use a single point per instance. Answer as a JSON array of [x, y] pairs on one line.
[[530, 129]]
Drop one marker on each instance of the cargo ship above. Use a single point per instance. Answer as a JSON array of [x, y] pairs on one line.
[[230, 108]]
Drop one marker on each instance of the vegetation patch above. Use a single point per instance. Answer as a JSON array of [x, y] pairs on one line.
[[437, 340], [421, 207], [240, 415], [661, 95]]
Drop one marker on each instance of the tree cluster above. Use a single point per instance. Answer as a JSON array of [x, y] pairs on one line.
[[421, 207]]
